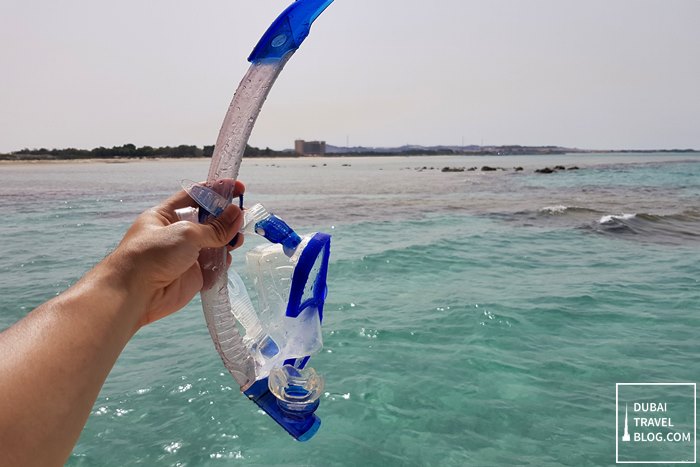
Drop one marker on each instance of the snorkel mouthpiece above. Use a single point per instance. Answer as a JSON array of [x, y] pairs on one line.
[[290, 393], [297, 390], [290, 277], [290, 397]]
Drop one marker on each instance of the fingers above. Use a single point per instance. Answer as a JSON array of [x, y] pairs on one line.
[[219, 231]]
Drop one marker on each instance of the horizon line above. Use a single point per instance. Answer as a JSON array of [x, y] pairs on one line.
[[473, 148]]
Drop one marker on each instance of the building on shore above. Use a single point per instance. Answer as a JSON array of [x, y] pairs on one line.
[[309, 148]]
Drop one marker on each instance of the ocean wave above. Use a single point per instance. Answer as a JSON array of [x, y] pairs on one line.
[[558, 214], [561, 210], [676, 228]]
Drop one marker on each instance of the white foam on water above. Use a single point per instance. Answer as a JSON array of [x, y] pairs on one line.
[[558, 209], [610, 218]]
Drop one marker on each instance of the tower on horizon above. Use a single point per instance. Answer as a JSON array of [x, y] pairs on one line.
[[626, 435]]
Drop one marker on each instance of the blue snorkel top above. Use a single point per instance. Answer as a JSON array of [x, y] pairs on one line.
[[289, 30]]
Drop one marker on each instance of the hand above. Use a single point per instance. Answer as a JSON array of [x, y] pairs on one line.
[[158, 256], [70, 343]]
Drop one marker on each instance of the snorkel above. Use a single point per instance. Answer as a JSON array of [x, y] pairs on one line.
[[266, 352]]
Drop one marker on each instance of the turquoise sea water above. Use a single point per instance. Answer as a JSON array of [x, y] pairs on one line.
[[474, 318]]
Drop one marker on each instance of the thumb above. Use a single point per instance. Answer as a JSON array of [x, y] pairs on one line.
[[219, 231]]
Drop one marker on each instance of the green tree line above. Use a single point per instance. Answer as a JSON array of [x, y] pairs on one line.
[[132, 152]]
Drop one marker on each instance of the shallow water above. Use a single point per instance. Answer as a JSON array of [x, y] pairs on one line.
[[474, 318]]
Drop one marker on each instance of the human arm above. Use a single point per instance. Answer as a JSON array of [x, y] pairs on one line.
[[54, 361]]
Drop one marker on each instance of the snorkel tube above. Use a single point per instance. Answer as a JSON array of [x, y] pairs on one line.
[[266, 357], [284, 36]]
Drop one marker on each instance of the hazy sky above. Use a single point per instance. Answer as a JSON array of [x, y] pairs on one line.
[[592, 74]]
